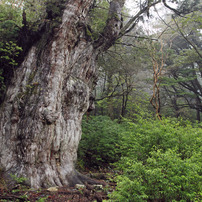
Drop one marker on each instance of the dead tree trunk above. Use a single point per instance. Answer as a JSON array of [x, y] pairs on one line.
[[40, 119]]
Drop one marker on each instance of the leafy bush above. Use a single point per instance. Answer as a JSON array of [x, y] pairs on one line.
[[100, 143], [160, 162], [146, 135], [9, 52], [164, 176], [10, 25]]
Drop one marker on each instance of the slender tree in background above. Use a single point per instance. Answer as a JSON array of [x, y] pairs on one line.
[[158, 64], [183, 81], [40, 118], [117, 81]]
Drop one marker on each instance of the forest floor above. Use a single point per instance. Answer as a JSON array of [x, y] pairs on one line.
[[87, 193]]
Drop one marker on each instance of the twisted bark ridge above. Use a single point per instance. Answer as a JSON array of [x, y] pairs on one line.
[[40, 119]]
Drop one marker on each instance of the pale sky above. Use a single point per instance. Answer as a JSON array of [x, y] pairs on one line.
[[133, 6]]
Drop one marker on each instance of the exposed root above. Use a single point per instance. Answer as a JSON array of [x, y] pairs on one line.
[[79, 178]]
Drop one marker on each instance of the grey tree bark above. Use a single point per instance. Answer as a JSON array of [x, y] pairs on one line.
[[40, 119]]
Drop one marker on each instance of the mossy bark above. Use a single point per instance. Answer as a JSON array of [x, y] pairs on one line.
[[40, 120]]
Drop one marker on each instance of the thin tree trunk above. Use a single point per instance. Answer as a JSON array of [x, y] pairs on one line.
[[198, 107], [40, 120], [110, 108]]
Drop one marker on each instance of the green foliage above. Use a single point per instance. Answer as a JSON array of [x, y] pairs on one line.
[[160, 161], [10, 24], [2, 85], [38, 11], [157, 160], [182, 81], [35, 11], [8, 52], [98, 17], [10, 20], [18, 180], [100, 143], [164, 176], [146, 135], [43, 199]]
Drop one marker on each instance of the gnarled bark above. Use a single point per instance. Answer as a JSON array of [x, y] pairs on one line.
[[40, 120]]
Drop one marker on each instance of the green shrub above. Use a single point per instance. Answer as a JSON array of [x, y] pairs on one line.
[[146, 135], [100, 143], [160, 162], [9, 52], [164, 177]]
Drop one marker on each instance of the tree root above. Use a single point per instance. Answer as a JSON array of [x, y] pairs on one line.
[[79, 178]]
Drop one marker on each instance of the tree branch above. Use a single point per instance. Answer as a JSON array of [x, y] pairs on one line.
[[141, 37], [133, 21], [113, 26], [174, 10], [182, 34]]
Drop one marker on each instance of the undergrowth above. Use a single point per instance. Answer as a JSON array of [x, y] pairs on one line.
[[156, 161]]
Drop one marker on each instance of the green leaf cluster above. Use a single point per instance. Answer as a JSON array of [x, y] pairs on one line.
[[10, 20], [18, 180], [156, 161], [10, 25], [164, 176], [2, 85], [160, 161], [100, 143], [98, 18], [9, 51]]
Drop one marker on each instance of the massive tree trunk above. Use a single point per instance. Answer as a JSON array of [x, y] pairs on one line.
[[40, 119]]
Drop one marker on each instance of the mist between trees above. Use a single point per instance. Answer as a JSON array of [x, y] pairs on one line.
[[162, 69]]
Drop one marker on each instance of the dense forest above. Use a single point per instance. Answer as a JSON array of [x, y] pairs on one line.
[[108, 86]]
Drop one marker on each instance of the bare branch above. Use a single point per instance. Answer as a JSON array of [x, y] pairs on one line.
[[141, 37], [133, 21], [126, 44], [174, 10], [113, 26]]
